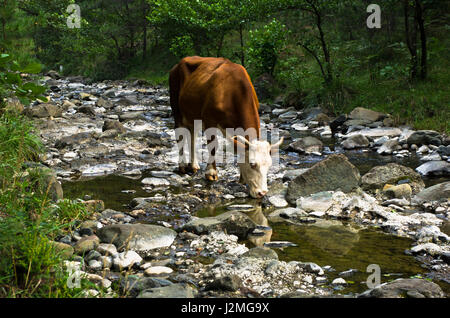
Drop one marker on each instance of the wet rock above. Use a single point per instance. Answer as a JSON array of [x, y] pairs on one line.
[[356, 141], [339, 281], [437, 192], [444, 150], [100, 169], [367, 114], [307, 145], [431, 233], [312, 268], [226, 283], [425, 137], [137, 237], [261, 252], [333, 173], [292, 174], [287, 213], [431, 157], [392, 173], [278, 201], [156, 182], [317, 202], [434, 168], [86, 244], [279, 244], [233, 222], [388, 147], [170, 291], [348, 273], [405, 288], [43, 111], [376, 132]]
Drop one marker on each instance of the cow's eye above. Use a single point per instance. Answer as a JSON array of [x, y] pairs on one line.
[[253, 165]]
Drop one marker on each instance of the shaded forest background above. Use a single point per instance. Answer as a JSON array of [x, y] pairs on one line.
[[301, 53]]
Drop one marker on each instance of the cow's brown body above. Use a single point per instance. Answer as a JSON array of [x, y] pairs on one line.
[[221, 95], [213, 90]]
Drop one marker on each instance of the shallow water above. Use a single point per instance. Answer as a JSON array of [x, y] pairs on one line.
[[342, 246]]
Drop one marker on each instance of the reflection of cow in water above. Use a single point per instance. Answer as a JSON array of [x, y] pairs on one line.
[[263, 232]]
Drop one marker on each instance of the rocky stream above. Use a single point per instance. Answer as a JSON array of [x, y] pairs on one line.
[[370, 193]]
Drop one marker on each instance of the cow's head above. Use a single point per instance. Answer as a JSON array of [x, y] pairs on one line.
[[257, 162]]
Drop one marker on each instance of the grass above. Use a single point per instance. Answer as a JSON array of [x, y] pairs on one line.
[[30, 220]]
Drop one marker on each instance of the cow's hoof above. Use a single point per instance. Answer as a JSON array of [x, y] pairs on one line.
[[182, 170], [212, 177]]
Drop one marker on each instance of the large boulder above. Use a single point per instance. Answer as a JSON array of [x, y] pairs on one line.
[[366, 114], [425, 137], [434, 168], [333, 173], [137, 237], [405, 288], [438, 192], [307, 145], [391, 173], [232, 223]]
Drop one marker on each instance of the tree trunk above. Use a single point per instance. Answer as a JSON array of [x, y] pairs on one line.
[[326, 52], [410, 40], [219, 46], [423, 39]]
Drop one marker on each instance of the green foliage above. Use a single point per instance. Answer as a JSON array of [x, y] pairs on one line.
[[182, 46], [265, 45], [12, 82]]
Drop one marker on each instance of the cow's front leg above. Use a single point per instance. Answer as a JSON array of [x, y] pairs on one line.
[[193, 166], [211, 170]]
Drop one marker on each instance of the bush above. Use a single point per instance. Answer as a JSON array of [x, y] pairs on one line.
[[182, 46], [265, 45]]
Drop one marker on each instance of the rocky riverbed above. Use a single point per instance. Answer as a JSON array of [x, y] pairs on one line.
[[353, 185]]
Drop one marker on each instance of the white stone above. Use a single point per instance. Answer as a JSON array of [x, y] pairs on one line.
[[278, 201], [126, 259], [155, 182], [339, 281], [107, 249], [158, 270]]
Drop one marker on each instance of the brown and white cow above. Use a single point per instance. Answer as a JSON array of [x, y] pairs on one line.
[[221, 95]]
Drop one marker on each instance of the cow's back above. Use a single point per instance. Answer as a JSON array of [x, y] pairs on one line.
[[213, 90]]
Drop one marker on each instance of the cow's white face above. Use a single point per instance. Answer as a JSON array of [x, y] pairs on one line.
[[254, 170]]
